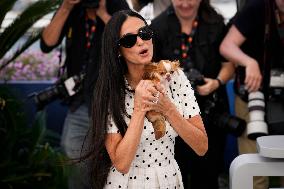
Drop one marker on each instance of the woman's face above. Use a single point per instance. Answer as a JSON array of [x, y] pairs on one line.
[[280, 5], [186, 9], [138, 51]]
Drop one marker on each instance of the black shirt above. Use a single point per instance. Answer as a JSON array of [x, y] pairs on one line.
[[250, 21], [78, 57], [205, 49], [204, 52]]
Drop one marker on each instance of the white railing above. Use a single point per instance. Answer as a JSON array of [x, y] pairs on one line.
[[269, 161]]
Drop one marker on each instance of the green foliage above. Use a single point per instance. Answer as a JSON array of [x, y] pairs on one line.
[[27, 160], [21, 25], [5, 5]]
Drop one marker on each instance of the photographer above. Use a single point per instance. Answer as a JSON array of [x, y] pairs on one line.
[[255, 43], [158, 5], [82, 23], [191, 31]]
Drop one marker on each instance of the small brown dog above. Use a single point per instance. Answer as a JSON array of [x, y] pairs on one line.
[[159, 72]]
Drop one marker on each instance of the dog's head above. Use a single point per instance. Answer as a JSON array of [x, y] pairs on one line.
[[160, 71]]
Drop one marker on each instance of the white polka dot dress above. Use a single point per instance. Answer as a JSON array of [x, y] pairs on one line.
[[154, 165]]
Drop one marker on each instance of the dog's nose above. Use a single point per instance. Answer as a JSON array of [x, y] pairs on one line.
[[168, 77]]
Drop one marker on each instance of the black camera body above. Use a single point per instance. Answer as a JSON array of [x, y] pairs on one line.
[[276, 84], [195, 77], [212, 112], [90, 3], [63, 89]]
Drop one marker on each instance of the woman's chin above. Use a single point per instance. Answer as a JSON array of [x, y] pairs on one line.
[[145, 60]]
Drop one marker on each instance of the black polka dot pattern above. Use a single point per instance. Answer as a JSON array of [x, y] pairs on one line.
[[155, 156]]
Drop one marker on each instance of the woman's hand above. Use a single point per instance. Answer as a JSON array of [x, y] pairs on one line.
[[163, 103], [102, 11], [145, 96], [209, 86]]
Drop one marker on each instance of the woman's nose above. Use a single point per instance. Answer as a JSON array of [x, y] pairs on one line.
[[139, 41]]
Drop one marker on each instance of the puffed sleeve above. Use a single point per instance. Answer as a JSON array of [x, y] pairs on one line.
[[185, 92], [111, 126]]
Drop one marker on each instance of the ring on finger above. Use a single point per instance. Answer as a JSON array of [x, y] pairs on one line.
[[157, 95], [156, 100]]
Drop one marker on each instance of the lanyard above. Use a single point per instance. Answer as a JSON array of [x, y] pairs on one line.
[[186, 45]]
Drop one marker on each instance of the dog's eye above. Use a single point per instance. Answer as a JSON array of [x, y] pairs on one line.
[[172, 72]]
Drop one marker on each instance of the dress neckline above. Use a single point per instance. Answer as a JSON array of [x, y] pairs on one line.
[[127, 85]]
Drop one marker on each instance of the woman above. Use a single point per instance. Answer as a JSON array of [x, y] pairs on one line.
[[191, 31], [125, 150]]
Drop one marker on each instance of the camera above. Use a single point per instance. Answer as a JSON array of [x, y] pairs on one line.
[[276, 78], [90, 4], [276, 84], [256, 126], [275, 102], [213, 113], [195, 77], [63, 89]]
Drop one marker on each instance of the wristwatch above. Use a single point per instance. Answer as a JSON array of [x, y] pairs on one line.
[[220, 81]]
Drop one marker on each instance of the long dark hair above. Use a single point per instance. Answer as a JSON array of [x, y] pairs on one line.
[[109, 97], [208, 13]]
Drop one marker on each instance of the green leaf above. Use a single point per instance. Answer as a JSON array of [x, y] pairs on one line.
[[5, 7], [27, 159], [23, 22], [31, 39]]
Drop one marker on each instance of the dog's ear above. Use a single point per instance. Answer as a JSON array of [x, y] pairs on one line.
[[175, 65]]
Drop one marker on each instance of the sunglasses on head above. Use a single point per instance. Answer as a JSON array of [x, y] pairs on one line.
[[129, 40]]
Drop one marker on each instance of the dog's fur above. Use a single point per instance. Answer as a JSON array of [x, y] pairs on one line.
[[159, 72]]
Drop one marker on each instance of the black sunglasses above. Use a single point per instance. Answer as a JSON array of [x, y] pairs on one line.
[[128, 40]]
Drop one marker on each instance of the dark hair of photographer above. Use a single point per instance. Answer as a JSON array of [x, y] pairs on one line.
[[191, 32]]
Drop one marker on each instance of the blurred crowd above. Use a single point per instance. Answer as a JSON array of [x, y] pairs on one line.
[[106, 43]]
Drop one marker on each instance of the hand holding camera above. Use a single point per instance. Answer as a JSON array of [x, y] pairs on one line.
[[99, 7], [211, 107], [209, 86], [63, 89], [101, 11], [253, 76]]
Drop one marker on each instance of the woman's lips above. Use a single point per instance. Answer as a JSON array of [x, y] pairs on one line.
[[144, 52]]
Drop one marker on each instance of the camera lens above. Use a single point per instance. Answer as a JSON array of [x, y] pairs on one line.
[[46, 96], [256, 126]]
